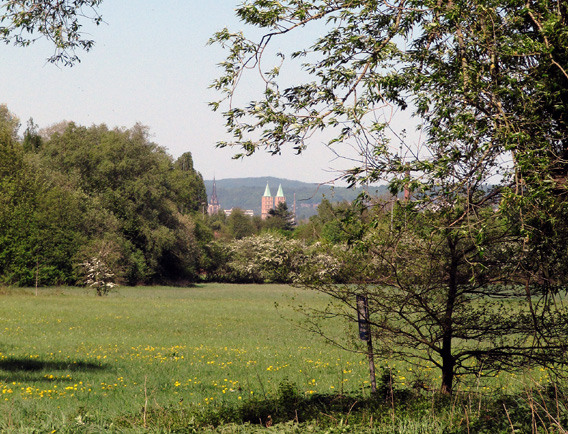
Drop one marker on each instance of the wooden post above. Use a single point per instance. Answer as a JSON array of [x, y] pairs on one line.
[[365, 335], [36, 275]]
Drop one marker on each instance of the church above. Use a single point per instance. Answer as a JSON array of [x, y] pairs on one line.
[[268, 202], [214, 206]]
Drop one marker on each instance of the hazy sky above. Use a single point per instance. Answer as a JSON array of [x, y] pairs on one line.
[[151, 64]]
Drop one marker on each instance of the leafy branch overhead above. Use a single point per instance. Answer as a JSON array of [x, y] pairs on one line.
[[486, 80], [22, 22]]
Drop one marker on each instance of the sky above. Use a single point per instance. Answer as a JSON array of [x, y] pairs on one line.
[[151, 64]]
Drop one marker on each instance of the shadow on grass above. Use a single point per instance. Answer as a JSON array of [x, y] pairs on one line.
[[28, 369], [30, 365], [406, 411], [288, 406]]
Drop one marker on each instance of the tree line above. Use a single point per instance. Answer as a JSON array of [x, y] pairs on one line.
[[70, 193], [74, 196]]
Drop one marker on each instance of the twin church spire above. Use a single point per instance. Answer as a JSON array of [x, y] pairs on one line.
[[268, 202]]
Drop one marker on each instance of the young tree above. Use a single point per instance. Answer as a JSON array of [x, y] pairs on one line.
[[280, 218], [440, 297], [98, 275]]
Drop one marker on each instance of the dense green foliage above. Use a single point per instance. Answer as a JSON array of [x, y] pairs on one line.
[[110, 194]]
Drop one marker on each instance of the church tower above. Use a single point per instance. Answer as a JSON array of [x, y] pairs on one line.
[[280, 198], [266, 203], [214, 206]]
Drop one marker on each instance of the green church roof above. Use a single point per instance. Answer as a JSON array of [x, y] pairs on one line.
[[280, 192], [267, 191]]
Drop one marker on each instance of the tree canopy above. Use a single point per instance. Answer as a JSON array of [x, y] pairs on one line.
[[80, 193], [486, 81]]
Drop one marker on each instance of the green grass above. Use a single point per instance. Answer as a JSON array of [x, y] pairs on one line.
[[65, 351], [157, 359]]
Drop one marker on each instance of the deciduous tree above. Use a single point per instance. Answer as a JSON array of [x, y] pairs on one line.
[[239, 224], [486, 80]]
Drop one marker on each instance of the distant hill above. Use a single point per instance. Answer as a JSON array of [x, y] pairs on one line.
[[245, 193]]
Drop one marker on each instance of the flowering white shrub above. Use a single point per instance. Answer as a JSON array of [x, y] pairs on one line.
[[267, 257], [98, 276], [271, 257], [323, 264]]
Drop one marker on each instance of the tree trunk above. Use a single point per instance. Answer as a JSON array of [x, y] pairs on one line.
[[447, 370], [448, 362]]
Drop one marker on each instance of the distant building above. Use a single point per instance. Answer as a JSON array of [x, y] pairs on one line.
[[280, 198], [267, 203], [248, 212], [214, 206]]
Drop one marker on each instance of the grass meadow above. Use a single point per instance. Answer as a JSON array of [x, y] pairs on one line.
[[217, 358]]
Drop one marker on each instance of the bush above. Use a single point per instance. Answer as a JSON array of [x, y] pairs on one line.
[[98, 275], [269, 257]]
